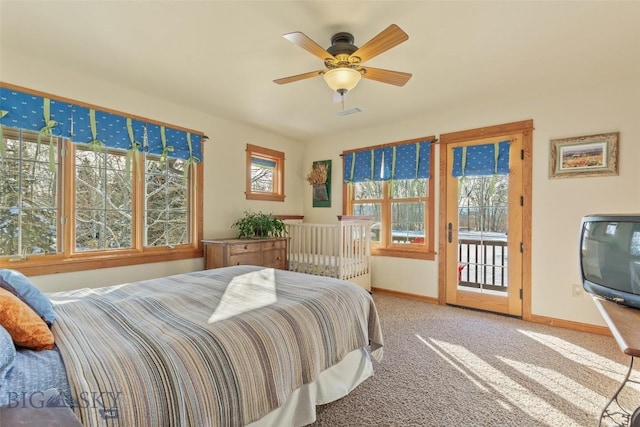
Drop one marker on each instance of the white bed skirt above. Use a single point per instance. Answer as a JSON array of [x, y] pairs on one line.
[[332, 384]]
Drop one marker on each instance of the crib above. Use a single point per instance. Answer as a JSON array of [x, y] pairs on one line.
[[341, 250]]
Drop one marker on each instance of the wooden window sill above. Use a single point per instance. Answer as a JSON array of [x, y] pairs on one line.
[[403, 253], [45, 264]]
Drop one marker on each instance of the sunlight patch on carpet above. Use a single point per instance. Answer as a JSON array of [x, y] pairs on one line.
[[497, 383], [453, 365], [561, 385], [589, 359]]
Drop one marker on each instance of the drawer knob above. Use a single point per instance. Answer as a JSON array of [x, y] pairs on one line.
[[246, 247], [238, 263]]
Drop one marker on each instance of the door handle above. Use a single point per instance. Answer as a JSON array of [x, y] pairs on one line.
[[450, 232]]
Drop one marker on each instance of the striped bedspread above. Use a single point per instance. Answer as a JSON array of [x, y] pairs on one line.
[[218, 347]]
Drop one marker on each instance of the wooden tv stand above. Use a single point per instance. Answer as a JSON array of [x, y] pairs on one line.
[[624, 323]]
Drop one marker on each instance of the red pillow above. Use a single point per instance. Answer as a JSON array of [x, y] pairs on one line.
[[26, 328]]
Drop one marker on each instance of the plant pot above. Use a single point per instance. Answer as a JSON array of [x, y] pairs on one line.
[[320, 193]]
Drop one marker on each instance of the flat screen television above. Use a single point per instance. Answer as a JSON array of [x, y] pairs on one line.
[[610, 257]]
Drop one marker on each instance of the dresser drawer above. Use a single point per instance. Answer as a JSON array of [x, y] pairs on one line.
[[275, 244], [255, 258], [275, 258], [271, 252], [243, 248]]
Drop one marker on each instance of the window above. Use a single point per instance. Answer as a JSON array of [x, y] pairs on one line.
[[84, 188], [29, 196], [103, 201], [392, 184], [265, 174], [70, 207], [166, 203]]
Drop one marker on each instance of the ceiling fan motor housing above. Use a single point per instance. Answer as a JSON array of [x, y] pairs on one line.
[[342, 44]]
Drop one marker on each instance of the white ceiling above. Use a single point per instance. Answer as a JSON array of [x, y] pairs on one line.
[[220, 57]]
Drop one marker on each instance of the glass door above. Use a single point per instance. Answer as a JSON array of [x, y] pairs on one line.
[[483, 212], [484, 223]]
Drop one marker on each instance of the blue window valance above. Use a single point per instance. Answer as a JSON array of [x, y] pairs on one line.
[[403, 161], [84, 125], [481, 160]]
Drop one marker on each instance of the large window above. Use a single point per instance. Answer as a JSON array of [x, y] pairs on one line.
[[265, 174], [392, 184], [103, 201], [29, 196], [71, 207], [82, 187], [166, 203]]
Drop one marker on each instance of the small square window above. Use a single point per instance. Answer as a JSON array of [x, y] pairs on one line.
[[265, 174]]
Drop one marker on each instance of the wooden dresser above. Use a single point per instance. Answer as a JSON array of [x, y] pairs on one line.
[[269, 252]]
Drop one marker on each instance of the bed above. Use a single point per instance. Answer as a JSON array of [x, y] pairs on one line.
[[341, 251], [234, 346]]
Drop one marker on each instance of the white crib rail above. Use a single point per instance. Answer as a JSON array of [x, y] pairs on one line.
[[311, 247], [355, 248], [340, 250]]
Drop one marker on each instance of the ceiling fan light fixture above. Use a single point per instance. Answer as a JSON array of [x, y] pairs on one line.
[[342, 79]]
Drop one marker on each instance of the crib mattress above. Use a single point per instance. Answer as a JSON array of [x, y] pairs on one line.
[[328, 265]]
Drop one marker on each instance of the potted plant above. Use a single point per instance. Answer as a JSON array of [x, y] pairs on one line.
[[257, 225]]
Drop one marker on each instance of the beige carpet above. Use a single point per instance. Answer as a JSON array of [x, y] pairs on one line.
[[447, 366]]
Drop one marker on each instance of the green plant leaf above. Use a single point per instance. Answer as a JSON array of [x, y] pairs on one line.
[[258, 225]]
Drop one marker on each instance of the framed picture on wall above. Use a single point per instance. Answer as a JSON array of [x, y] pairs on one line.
[[592, 155]]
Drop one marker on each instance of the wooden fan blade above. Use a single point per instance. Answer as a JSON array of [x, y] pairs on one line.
[[388, 38], [297, 77], [309, 45], [397, 78]]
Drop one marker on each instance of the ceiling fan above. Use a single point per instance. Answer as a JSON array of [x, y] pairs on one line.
[[343, 60]]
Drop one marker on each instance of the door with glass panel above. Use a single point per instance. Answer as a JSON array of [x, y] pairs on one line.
[[483, 223]]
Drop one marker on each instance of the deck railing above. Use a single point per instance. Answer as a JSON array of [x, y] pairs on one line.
[[482, 264]]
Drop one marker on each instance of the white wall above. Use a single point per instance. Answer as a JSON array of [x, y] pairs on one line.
[[224, 161], [558, 204]]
